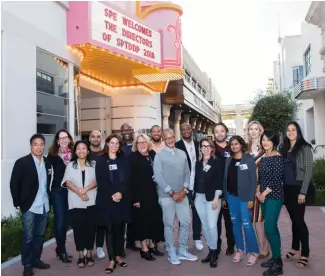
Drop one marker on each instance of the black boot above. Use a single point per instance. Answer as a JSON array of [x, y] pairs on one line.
[[269, 263], [213, 259], [207, 258], [146, 255], [276, 269]]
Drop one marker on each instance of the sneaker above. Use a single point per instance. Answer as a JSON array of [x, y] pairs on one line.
[[198, 245], [100, 253], [187, 256], [173, 259]]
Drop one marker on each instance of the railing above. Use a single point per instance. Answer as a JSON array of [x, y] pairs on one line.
[[305, 85]]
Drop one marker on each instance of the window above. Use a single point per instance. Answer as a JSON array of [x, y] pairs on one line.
[[194, 82], [298, 74], [52, 98], [204, 93], [307, 61], [187, 76], [199, 88]]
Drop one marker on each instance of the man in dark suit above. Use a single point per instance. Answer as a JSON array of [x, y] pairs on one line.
[[191, 148], [30, 187]]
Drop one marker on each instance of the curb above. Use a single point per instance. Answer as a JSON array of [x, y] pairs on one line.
[[18, 258]]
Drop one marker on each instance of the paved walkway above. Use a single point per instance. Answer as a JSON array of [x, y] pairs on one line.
[[315, 218]]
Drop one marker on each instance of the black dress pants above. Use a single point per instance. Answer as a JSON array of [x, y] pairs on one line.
[[100, 236], [300, 233], [115, 240], [84, 227], [228, 225]]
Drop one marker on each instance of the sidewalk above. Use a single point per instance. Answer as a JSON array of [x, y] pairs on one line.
[[315, 218]]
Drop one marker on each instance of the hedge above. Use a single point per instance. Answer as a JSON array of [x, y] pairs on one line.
[[11, 234]]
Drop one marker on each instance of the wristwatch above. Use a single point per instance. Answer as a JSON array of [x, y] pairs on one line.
[[172, 193]]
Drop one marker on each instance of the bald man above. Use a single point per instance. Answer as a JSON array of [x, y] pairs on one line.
[[191, 148], [127, 136], [95, 140]]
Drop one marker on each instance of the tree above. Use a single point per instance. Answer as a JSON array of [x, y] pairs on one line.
[[273, 110]]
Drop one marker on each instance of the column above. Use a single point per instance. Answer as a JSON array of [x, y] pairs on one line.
[[71, 92], [187, 118], [198, 124], [178, 115], [193, 122], [166, 114], [203, 126], [239, 120]]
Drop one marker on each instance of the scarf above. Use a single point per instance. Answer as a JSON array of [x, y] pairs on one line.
[[65, 155]]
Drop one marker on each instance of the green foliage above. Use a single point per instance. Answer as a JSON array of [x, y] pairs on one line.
[[11, 234], [273, 110], [319, 173]]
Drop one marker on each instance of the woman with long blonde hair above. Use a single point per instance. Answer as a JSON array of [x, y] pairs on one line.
[[254, 133]]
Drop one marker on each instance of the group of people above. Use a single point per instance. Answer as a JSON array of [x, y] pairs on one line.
[[136, 186]]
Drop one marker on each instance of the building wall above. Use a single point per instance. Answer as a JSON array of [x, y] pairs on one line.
[[24, 27]]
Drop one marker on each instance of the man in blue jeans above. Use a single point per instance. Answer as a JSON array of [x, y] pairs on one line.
[[172, 175], [30, 185]]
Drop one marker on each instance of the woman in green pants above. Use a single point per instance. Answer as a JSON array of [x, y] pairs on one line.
[[270, 174]]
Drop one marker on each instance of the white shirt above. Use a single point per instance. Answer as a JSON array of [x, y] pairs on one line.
[[190, 148]]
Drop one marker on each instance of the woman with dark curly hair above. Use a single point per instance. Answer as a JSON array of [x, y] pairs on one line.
[[112, 202], [60, 154], [80, 180], [239, 190]]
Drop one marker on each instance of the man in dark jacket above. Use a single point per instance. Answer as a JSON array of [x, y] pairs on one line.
[[191, 148], [220, 132], [30, 185]]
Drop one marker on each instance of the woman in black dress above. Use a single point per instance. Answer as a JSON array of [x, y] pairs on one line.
[[146, 211], [112, 175]]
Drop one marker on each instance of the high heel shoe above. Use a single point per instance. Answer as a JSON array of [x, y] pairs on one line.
[[58, 254], [109, 270], [147, 255], [155, 251], [64, 258]]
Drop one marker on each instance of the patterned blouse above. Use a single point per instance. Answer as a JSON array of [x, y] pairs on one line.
[[270, 173]]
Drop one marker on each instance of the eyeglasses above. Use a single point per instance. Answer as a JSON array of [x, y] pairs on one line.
[[141, 143], [66, 138], [206, 147], [169, 138]]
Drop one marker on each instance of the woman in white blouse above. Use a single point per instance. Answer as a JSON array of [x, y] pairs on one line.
[[80, 180]]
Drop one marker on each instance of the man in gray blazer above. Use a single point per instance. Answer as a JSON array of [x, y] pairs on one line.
[[172, 175]]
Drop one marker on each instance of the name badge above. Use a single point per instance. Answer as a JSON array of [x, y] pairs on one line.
[[226, 154], [237, 164], [112, 167], [243, 167], [206, 168], [49, 171]]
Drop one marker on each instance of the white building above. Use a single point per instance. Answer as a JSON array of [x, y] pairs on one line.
[[300, 62]]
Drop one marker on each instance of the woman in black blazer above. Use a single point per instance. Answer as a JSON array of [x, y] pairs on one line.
[[112, 201], [207, 190]]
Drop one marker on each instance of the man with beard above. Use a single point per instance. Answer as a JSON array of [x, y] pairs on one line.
[[95, 139], [156, 136], [220, 132], [191, 148], [127, 137]]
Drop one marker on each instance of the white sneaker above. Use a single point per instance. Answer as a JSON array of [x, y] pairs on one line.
[[100, 253], [185, 255], [198, 245], [138, 244]]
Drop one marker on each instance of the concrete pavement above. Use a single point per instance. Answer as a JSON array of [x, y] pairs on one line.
[[315, 218]]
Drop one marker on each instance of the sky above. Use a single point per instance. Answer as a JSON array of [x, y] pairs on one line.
[[235, 41]]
